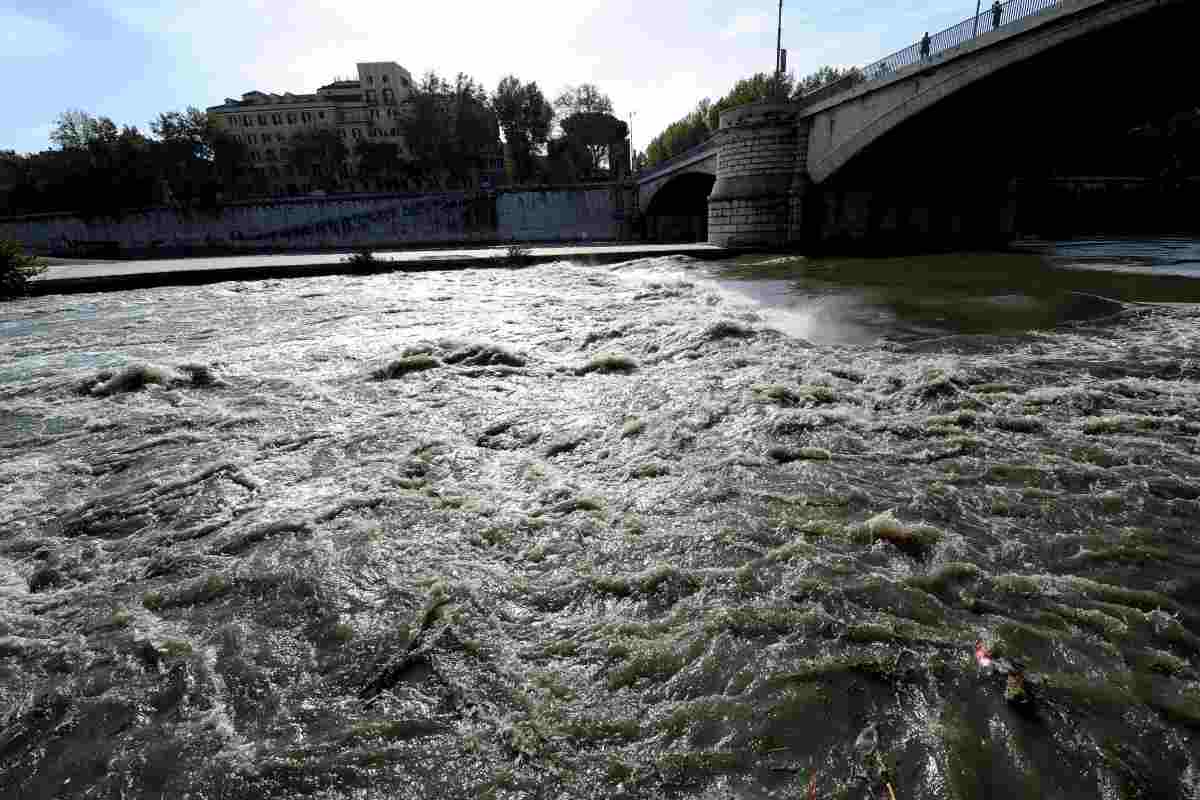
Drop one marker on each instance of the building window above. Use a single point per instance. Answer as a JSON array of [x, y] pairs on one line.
[[404, 82], [370, 80], [385, 78], [248, 121], [342, 133], [284, 152], [252, 138], [356, 133], [262, 119], [291, 118], [274, 172], [275, 120], [389, 97], [320, 115], [270, 154], [370, 95], [394, 132]]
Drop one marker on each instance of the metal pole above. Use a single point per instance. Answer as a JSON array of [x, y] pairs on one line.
[[779, 45], [631, 115], [978, 5]]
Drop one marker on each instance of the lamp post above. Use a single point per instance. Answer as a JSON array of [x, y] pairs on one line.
[[633, 114], [778, 50], [978, 5]]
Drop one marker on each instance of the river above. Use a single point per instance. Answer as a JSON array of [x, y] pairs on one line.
[[769, 527]]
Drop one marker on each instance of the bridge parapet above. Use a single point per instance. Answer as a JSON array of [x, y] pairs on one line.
[[940, 45], [676, 162]]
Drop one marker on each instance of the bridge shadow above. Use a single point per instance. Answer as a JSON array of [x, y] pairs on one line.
[[956, 174], [678, 212]]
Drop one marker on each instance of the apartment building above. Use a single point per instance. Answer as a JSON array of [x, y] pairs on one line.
[[367, 109]]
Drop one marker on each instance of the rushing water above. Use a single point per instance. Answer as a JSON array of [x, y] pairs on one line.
[[663, 529]]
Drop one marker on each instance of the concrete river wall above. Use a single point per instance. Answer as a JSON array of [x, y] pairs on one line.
[[579, 213]]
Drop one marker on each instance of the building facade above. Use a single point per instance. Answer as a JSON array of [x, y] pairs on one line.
[[369, 109]]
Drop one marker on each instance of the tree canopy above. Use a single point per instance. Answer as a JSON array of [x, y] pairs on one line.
[[450, 131], [319, 152], [526, 119], [585, 150], [99, 167], [704, 120], [582, 99]]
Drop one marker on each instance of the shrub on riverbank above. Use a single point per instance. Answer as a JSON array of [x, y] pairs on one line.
[[16, 269]]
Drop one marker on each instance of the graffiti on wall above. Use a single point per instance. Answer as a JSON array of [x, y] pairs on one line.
[[540, 215], [448, 215]]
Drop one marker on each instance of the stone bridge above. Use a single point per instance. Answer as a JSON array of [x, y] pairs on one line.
[[927, 143]]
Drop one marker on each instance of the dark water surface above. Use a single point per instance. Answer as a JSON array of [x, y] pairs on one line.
[[664, 529]]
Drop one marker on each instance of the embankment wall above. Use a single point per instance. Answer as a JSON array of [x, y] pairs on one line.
[[589, 213]]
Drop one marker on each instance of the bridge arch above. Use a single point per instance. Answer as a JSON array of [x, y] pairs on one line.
[[845, 126], [676, 208], [935, 159]]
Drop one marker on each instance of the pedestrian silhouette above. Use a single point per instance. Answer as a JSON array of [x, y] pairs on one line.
[[925, 45], [997, 12]]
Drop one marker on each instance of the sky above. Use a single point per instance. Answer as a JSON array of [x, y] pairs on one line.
[[655, 58]]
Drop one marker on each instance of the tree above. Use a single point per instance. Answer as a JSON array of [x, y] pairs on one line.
[[475, 131], [701, 123], [16, 269], [230, 169], [78, 130], [758, 87], [100, 168], [426, 128], [380, 160], [191, 129], [319, 153], [822, 77], [187, 154], [681, 135], [595, 134], [526, 118], [450, 131], [582, 99]]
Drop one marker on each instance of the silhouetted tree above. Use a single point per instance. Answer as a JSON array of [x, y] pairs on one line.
[[319, 153], [526, 119], [582, 99], [822, 77], [593, 134]]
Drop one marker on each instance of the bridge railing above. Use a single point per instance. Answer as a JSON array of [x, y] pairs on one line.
[[1010, 12]]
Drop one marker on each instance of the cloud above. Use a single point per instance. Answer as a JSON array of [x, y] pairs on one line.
[[27, 37], [747, 22]]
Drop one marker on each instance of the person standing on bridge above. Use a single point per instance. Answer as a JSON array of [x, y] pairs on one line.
[[925, 46], [997, 12]]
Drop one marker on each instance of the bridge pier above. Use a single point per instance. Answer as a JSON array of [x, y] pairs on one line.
[[799, 199], [751, 204]]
